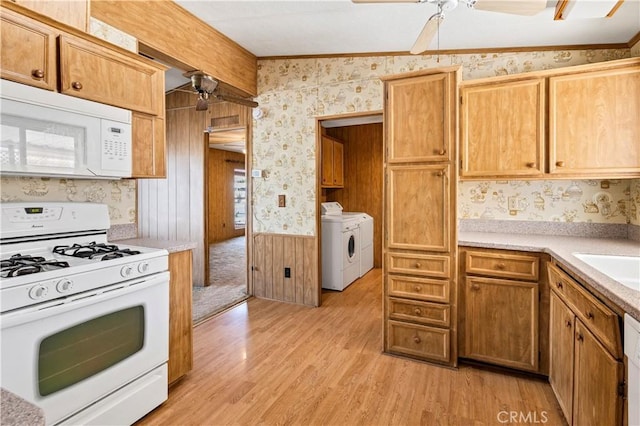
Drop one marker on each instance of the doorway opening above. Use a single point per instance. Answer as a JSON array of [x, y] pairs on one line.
[[351, 174]]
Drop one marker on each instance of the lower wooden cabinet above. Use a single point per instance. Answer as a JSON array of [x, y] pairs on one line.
[[180, 319], [585, 374], [503, 308], [502, 322]]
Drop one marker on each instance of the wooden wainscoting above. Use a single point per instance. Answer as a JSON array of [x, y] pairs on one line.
[[272, 253]]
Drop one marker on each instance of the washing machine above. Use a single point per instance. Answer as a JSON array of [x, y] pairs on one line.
[[365, 223], [340, 247]]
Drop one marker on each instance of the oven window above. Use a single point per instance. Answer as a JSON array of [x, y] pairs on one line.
[[86, 349]]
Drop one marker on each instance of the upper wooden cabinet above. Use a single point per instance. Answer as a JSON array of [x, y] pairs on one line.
[[92, 72], [332, 163], [420, 122], [594, 124], [574, 122], [503, 129], [71, 12], [28, 51], [42, 53]]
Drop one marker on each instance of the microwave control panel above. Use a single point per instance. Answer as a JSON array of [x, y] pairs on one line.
[[116, 146]]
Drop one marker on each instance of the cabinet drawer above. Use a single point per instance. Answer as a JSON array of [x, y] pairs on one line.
[[601, 321], [505, 265], [419, 341], [418, 288], [422, 312], [419, 264]]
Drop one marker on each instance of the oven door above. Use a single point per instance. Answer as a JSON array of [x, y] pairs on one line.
[[66, 354]]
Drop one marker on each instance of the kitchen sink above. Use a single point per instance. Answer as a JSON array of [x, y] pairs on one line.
[[624, 269]]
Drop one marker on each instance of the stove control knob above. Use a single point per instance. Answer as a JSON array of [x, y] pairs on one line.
[[64, 285], [143, 267], [126, 270], [38, 292]]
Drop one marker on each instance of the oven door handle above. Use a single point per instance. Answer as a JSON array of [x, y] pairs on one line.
[[76, 301]]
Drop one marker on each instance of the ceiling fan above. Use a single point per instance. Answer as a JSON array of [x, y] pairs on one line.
[[514, 7], [206, 87]]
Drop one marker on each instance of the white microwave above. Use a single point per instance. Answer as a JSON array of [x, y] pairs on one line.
[[45, 133]]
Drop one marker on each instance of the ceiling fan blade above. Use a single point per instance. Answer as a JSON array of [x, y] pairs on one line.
[[425, 37], [236, 100], [513, 7]]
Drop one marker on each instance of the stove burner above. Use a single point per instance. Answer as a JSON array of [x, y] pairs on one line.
[[18, 265], [94, 250]]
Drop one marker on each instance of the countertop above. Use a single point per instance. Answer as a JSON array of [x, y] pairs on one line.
[[562, 248], [170, 246], [17, 411]]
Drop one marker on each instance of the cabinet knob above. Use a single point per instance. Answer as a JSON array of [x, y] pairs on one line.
[[442, 152], [560, 163], [500, 266], [475, 287], [417, 311], [37, 73], [531, 165], [590, 315], [417, 289], [569, 324], [418, 265], [559, 285], [76, 85], [580, 337], [417, 339], [439, 173]]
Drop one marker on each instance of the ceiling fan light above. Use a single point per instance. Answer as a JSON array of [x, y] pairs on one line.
[[203, 101]]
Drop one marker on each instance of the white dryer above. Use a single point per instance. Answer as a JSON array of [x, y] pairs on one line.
[[340, 248], [365, 223]]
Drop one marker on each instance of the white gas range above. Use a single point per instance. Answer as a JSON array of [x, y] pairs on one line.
[[84, 322]]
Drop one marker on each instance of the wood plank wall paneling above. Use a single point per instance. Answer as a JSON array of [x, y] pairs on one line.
[[275, 252], [363, 173], [173, 208], [221, 194], [180, 36]]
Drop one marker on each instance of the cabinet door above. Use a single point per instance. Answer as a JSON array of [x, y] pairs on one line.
[[327, 161], [501, 318], [93, 72], [502, 129], [420, 118], [419, 213], [28, 51], [148, 146], [338, 164], [180, 320], [593, 123], [596, 379], [561, 338]]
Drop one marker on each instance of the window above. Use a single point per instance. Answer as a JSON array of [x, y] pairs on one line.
[[239, 199]]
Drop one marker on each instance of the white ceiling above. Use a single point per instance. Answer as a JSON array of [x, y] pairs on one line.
[[308, 27]]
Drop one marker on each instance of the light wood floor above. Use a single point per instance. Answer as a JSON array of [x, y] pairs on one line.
[[271, 363]]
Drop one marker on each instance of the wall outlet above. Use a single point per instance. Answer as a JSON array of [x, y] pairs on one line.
[[282, 200], [514, 203], [256, 173], [287, 272]]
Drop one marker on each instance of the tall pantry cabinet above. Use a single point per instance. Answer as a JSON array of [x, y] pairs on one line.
[[420, 233]]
